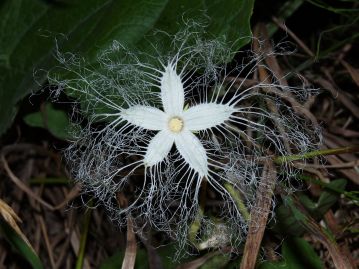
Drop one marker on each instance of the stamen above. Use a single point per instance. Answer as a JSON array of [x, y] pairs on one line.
[[175, 124]]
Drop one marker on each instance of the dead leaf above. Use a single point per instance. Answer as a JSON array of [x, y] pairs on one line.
[[11, 218]]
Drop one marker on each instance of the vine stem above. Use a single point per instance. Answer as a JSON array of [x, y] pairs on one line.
[[315, 153]]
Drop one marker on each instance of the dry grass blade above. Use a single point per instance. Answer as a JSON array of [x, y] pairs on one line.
[[131, 247], [47, 241], [351, 174], [259, 216], [354, 73], [11, 218]]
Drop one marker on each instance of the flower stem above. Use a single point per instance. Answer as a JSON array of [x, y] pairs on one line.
[[311, 154]]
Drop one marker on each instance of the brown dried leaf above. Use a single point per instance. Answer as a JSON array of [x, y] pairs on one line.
[[11, 218]]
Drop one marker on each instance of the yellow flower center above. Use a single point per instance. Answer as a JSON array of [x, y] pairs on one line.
[[175, 124]]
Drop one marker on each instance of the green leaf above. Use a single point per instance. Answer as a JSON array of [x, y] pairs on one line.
[[28, 30], [218, 261], [286, 222], [227, 20], [54, 120], [352, 195], [167, 254], [114, 261], [20, 245], [327, 199], [273, 265]]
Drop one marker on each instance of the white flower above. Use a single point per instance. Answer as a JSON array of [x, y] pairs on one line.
[[183, 129], [176, 124]]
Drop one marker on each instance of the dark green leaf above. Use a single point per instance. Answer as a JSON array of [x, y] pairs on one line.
[[115, 261], [329, 197], [286, 222], [167, 254], [299, 254], [29, 30]]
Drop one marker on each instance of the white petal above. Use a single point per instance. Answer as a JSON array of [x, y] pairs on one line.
[[172, 92], [146, 117], [192, 151], [158, 148], [207, 115]]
